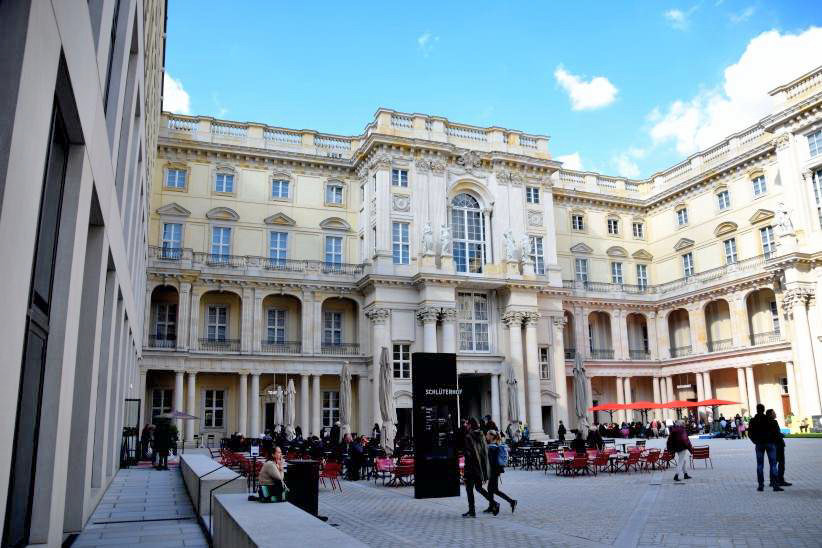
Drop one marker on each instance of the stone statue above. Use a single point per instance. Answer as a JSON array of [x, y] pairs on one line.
[[427, 239], [445, 240], [784, 225], [525, 248], [510, 246]]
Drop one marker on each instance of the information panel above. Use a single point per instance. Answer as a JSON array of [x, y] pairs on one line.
[[435, 394]]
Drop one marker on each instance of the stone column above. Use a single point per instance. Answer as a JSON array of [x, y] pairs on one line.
[[247, 317], [534, 392], [194, 329], [815, 328], [739, 321], [657, 397], [653, 343], [309, 323], [178, 397], [622, 338], [620, 387], [589, 401], [143, 400], [699, 331], [580, 332], [193, 425], [183, 316], [793, 396], [752, 399], [427, 316], [662, 338], [362, 405], [700, 395], [449, 330], [305, 418], [147, 322], [805, 366], [513, 321], [669, 385], [616, 336], [242, 426], [257, 323], [707, 389], [629, 415], [378, 317], [316, 407], [560, 385], [743, 390], [254, 429], [495, 410]]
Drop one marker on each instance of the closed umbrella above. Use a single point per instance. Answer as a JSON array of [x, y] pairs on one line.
[[290, 409], [581, 396], [513, 403], [278, 405], [345, 399], [387, 409]]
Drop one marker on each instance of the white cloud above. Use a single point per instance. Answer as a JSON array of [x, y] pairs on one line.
[[570, 161], [625, 163], [426, 42], [769, 60], [595, 93], [175, 98], [678, 19], [743, 15], [221, 109]]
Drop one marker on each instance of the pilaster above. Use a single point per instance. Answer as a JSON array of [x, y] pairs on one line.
[[513, 321], [449, 332], [531, 320], [560, 384], [183, 316]]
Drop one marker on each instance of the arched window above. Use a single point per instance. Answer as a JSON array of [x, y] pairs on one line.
[[469, 233]]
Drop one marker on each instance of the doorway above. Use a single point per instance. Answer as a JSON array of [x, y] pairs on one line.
[[548, 420]]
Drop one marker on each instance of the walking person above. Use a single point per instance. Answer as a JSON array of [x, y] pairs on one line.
[[561, 431], [497, 459], [476, 468], [780, 451], [162, 443], [679, 444], [763, 432]]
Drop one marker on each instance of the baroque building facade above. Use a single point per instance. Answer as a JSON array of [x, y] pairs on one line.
[[276, 255]]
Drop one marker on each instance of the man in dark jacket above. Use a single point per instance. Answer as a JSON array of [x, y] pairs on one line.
[[780, 451], [561, 431], [679, 445], [475, 472], [763, 433]]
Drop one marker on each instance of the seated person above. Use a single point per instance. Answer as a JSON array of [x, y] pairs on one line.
[[578, 445], [272, 478]]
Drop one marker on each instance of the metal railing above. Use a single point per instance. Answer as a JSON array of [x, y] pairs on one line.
[[602, 354], [679, 351], [162, 342], [720, 345], [570, 353], [639, 354], [169, 253], [232, 261], [282, 347], [220, 345], [769, 337], [340, 349]]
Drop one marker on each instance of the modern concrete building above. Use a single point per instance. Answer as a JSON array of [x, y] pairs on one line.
[[279, 254], [80, 90]]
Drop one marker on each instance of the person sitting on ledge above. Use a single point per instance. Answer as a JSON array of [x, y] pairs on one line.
[[272, 478]]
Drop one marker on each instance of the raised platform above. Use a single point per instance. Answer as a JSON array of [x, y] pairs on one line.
[[201, 465], [236, 522]]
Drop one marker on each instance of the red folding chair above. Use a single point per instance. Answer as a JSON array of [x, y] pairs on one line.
[[331, 471], [701, 452]]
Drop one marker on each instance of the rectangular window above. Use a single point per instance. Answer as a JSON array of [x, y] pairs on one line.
[[161, 401], [759, 186], [688, 264], [399, 177], [581, 270], [402, 361], [276, 326], [537, 254], [217, 323], [175, 178], [577, 222], [816, 181], [221, 242], [613, 226], [172, 240], [334, 194], [774, 316], [730, 250], [768, 245], [724, 200], [400, 243], [642, 275], [165, 325], [332, 328], [544, 363], [278, 247], [333, 250], [682, 216], [639, 230], [815, 143], [331, 408], [214, 409], [784, 383], [279, 189], [472, 309], [224, 183], [532, 194], [616, 273]]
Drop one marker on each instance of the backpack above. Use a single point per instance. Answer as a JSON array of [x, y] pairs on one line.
[[502, 455]]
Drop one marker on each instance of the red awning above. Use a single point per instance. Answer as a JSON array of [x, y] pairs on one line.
[[639, 405], [680, 404], [715, 402], [608, 407]]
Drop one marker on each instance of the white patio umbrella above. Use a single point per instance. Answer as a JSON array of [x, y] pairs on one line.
[[387, 409], [581, 396], [345, 399], [278, 405], [290, 409]]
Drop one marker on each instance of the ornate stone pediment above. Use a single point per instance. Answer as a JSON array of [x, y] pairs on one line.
[[222, 214], [335, 223], [725, 228], [173, 210], [642, 255], [761, 215], [279, 219], [683, 243], [616, 251], [581, 248]]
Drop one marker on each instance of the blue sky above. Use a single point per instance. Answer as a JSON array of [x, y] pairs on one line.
[[621, 88]]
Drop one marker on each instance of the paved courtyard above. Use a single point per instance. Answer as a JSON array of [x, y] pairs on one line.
[[718, 507]]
